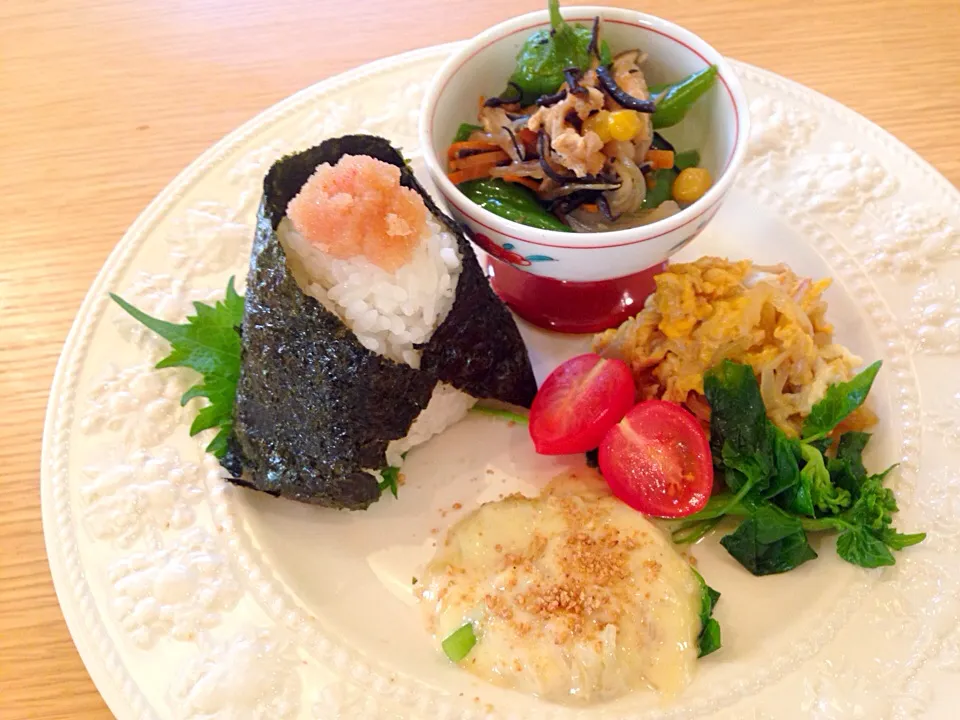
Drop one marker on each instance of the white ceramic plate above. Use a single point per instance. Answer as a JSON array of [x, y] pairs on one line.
[[192, 599]]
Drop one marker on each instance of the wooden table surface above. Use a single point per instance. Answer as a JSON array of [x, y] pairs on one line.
[[104, 101]]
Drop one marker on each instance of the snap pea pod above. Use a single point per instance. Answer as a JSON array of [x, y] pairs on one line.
[[686, 159], [511, 201], [662, 188], [678, 98], [465, 131]]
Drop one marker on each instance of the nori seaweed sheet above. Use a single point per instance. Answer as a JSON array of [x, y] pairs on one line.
[[313, 406]]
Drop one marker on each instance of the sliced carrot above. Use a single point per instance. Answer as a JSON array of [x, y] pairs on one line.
[[520, 180], [590, 207], [486, 158], [660, 159], [456, 148], [474, 173], [529, 139]]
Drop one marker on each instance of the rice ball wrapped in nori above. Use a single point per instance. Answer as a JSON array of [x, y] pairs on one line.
[[346, 360]]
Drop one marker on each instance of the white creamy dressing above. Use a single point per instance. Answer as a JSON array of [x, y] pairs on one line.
[[573, 595]]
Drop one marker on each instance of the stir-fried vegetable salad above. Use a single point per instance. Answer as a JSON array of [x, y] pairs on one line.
[[572, 144]]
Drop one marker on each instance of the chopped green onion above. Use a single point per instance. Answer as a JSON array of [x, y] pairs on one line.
[[505, 414], [390, 479], [460, 642]]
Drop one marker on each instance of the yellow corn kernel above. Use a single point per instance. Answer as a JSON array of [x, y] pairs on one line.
[[691, 184], [600, 124], [624, 124]]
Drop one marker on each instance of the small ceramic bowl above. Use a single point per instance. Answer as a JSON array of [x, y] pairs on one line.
[[584, 282]]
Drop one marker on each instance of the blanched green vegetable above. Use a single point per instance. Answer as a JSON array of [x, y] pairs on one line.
[[839, 401], [672, 107], [465, 131], [511, 201], [686, 159], [547, 53], [661, 190], [709, 639], [784, 487]]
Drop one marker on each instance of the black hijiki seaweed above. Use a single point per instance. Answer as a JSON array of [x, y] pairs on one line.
[[314, 408], [497, 101], [572, 74], [622, 96], [549, 100], [521, 153], [543, 148], [573, 120], [565, 205], [604, 205], [594, 47], [659, 142]]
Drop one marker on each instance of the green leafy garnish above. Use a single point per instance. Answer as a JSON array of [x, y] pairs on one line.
[[389, 477], [741, 437], [738, 418], [783, 488], [458, 644], [769, 541], [786, 472], [709, 639], [547, 53], [860, 547], [846, 469], [209, 343], [898, 541], [839, 401], [826, 497], [850, 451], [606, 56], [465, 131]]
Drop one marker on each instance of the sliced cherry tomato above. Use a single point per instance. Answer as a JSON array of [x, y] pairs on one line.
[[657, 460], [578, 403]]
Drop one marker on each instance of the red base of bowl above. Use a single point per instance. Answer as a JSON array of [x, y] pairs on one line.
[[571, 307]]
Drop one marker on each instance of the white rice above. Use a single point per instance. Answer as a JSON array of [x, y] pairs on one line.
[[447, 406], [389, 312]]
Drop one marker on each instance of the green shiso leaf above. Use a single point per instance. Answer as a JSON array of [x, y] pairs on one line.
[[209, 343]]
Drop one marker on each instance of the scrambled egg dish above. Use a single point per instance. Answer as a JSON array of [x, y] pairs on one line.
[[714, 309], [573, 595]]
